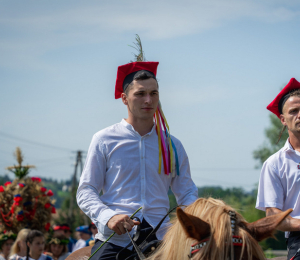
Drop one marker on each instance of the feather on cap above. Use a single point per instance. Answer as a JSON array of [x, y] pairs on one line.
[[126, 73]]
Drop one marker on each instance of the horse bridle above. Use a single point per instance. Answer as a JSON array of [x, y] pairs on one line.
[[236, 240]]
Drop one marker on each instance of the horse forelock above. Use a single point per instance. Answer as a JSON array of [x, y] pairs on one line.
[[176, 245]]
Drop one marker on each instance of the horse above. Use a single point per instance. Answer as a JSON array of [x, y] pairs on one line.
[[209, 229]]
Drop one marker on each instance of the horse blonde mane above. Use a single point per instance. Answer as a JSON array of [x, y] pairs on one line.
[[176, 245]]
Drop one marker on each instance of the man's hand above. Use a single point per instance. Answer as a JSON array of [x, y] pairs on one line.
[[118, 223]]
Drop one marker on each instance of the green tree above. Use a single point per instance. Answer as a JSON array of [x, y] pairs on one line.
[[4, 179], [269, 147], [272, 145]]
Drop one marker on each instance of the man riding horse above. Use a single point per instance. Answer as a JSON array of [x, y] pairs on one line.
[[279, 185], [134, 163]]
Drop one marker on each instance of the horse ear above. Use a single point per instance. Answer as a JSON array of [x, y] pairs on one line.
[[193, 227], [264, 228]]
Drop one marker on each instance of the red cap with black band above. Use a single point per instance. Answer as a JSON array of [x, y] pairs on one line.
[[126, 74], [277, 104]]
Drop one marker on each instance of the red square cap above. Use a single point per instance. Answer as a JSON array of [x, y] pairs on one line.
[[276, 105], [125, 70], [61, 227]]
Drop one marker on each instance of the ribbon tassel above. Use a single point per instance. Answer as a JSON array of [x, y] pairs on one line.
[[166, 146]]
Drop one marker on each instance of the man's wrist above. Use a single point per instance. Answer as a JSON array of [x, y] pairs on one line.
[[111, 218], [104, 218]]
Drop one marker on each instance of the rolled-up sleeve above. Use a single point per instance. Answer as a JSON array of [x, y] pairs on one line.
[[183, 187], [270, 190], [91, 184]]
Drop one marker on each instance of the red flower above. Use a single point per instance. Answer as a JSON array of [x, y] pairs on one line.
[[1, 189], [22, 185], [47, 226], [7, 183], [43, 189], [37, 179], [53, 210], [47, 205], [18, 199], [50, 193], [20, 217]]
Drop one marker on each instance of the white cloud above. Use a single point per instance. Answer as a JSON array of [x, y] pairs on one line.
[[26, 34]]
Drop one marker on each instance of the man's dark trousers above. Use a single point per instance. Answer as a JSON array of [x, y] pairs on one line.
[[109, 251], [293, 244]]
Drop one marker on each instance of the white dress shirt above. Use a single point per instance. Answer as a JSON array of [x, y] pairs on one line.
[[124, 166], [279, 184]]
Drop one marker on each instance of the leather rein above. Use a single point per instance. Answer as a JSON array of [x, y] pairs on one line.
[[147, 242], [236, 240]]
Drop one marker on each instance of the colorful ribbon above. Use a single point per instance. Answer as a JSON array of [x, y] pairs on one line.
[[166, 147]]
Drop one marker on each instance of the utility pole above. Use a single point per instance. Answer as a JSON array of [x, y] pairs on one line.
[[73, 189]]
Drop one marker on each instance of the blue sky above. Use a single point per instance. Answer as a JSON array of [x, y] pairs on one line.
[[221, 63]]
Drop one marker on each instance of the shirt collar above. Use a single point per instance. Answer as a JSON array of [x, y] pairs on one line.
[[130, 127], [287, 146]]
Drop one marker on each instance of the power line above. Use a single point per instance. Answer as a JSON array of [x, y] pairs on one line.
[[49, 160], [34, 142]]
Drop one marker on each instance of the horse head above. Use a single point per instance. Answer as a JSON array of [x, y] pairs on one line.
[[211, 230], [200, 230]]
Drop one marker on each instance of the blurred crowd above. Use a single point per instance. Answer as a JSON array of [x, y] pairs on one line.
[[32, 244]]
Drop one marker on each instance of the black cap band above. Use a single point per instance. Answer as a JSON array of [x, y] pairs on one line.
[[132, 76], [284, 99]]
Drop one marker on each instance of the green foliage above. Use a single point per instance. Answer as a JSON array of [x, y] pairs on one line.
[[269, 254], [271, 146], [56, 187], [20, 172], [4, 179]]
